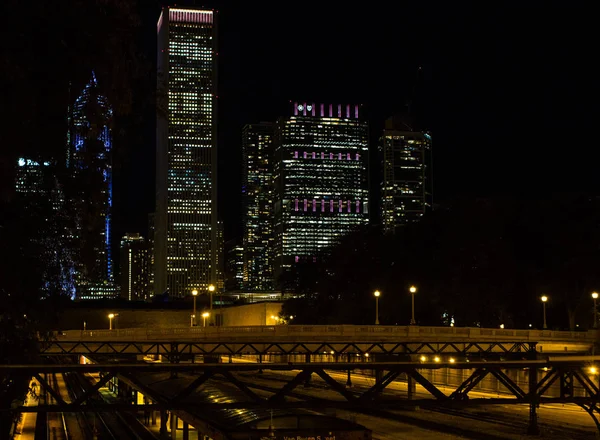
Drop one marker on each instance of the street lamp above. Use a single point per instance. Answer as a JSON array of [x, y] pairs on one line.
[[110, 318], [544, 299], [595, 297], [194, 295], [211, 289], [412, 291], [205, 315], [377, 293]]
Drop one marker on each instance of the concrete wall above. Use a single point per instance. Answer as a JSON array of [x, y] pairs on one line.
[[252, 314], [96, 319]]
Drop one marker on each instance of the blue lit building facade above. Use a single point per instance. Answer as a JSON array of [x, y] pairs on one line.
[[186, 245], [89, 160], [320, 174], [406, 186], [41, 196]]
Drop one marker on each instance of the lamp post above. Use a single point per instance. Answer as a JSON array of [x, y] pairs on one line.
[[211, 289], [544, 299], [194, 295], [110, 318], [377, 293], [595, 297], [412, 291], [205, 315]]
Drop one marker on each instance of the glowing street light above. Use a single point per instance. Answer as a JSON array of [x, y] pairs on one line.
[[194, 295], [595, 297], [377, 294], [544, 300], [204, 316], [211, 289], [412, 291], [423, 358], [110, 318], [593, 370]]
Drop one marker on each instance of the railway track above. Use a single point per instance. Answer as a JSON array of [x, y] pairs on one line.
[[108, 425], [84, 425]]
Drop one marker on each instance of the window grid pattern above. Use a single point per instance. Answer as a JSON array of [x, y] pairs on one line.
[[90, 155], [406, 177], [188, 158], [321, 185], [257, 193]]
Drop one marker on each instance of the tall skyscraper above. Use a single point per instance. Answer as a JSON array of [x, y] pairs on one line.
[[134, 268], [407, 173], [89, 159], [257, 193], [321, 180], [186, 241]]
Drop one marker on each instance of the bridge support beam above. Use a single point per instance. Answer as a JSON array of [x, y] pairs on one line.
[[533, 428], [174, 423], [186, 431], [163, 425], [411, 387], [349, 380], [307, 380], [174, 357]]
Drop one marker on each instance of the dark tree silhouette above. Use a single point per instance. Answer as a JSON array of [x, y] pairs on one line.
[[481, 262]]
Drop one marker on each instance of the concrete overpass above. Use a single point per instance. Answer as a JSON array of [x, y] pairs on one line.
[[382, 333]]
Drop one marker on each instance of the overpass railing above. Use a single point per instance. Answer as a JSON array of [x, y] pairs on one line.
[[346, 332]]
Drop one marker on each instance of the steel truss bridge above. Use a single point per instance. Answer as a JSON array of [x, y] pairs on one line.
[[175, 351], [541, 373]]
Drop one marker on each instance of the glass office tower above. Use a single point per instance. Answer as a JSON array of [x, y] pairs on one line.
[[89, 160], [257, 193], [407, 173], [321, 180], [186, 240]]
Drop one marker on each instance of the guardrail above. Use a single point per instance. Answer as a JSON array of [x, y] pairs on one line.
[[326, 332]]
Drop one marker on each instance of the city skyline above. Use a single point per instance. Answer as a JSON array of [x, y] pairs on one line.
[[238, 219], [463, 96]]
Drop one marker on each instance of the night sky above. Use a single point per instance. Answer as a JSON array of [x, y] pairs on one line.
[[505, 91]]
